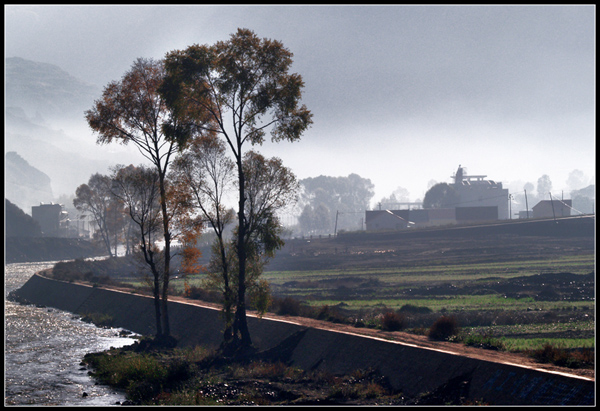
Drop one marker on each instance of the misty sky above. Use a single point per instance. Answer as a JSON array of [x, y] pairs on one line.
[[400, 94]]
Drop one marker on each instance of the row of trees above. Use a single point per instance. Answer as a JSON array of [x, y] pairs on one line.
[[328, 203], [184, 114]]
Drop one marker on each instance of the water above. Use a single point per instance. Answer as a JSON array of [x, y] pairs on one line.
[[43, 349]]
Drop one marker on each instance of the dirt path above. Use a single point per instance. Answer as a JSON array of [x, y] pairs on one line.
[[422, 341]]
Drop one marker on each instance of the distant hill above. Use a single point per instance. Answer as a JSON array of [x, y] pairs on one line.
[[45, 126], [19, 224], [46, 90], [26, 186]]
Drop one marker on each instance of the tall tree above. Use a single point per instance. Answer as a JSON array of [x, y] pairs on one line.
[[206, 174], [348, 196], [138, 189], [245, 86], [132, 111]]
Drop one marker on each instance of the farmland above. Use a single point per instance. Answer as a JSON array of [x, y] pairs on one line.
[[526, 284]]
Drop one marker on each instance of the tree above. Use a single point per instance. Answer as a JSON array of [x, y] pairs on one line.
[[347, 197], [138, 189], [441, 195], [206, 174], [132, 111], [244, 85], [544, 186], [96, 197], [270, 187], [399, 195]]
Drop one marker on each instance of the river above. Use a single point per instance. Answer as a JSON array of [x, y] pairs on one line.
[[43, 349]]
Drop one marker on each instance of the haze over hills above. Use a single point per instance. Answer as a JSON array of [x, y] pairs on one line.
[[46, 91], [25, 185], [46, 128]]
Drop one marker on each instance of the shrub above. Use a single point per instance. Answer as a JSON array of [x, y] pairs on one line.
[[331, 314], [392, 321], [444, 328], [287, 306], [98, 319], [563, 357]]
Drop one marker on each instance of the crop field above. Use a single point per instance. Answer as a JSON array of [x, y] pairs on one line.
[[524, 284]]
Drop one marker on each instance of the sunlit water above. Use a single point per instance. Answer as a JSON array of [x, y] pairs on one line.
[[43, 349]]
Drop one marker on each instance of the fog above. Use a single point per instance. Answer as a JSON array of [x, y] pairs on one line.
[[400, 94]]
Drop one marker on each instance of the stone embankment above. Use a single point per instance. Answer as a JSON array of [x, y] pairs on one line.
[[411, 368]]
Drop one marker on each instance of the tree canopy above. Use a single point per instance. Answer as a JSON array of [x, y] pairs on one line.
[[238, 89], [441, 195]]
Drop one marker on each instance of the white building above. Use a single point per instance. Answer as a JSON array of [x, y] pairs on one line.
[[476, 191]]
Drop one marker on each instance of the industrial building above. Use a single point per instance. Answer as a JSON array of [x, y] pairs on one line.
[[479, 200], [476, 191]]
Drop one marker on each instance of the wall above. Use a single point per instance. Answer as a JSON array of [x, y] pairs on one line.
[[411, 369]]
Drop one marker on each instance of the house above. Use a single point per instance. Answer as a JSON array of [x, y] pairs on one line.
[[48, 216], [552, 209], [382, 220]]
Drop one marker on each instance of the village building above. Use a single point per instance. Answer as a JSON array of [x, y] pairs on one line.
[[53, 220], [552, 209]]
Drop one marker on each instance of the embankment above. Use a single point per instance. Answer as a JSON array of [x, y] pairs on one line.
[[413, 370]]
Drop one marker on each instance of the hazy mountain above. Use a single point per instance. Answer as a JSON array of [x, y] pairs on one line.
[[46, 90], [25, 185], [45, 126]]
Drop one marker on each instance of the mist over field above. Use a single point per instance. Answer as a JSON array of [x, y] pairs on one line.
[[401, 95]]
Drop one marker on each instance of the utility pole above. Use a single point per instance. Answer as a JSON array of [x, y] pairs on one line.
[[552, 203], [526, 206], [336, 220]]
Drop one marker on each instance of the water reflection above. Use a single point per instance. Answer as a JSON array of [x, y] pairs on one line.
[[44, 348]]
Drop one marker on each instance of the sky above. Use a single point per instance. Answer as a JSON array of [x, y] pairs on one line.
[[401, 95]]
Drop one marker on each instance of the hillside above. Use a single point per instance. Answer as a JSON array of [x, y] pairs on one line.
[[26, 186], [46, 90], [45, 126]]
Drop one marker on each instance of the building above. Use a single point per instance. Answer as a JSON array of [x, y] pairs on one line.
[[386, 220], [393, 220], [475, 191], [51, 219], [552, 209], [479, 200]]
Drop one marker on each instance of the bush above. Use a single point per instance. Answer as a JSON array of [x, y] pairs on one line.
[[331, 314], [287, 306], [563, 357], [392, 321], [444, 328]]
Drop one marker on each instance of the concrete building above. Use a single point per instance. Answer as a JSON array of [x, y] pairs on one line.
[[476, 191], [480, 200], [51, 218]]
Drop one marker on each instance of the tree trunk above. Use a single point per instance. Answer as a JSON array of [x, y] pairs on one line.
[[240, 323], [167, 257], [156, 289], [227, 304]]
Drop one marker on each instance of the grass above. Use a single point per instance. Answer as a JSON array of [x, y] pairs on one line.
[[196, 376]]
